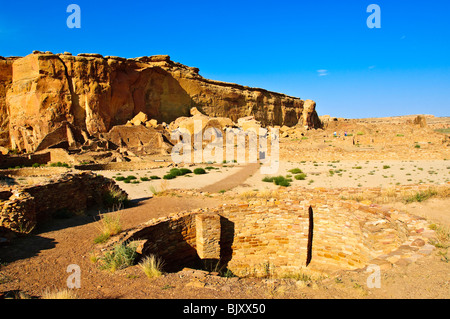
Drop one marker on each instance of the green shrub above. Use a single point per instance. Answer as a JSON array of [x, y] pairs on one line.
[[443, 130], [155, 177], [127, 179], [36, 165], [421, 196], [101, 238], [169, 176], [144, 179], [109, 225], [59, 164], [121, 257], [282, 181], [175, 172], [268, 179], [295, 171], [301, 176], [386, 166], [185, 171], [114, 196], [278, 180], [417, 146], [199, 171]]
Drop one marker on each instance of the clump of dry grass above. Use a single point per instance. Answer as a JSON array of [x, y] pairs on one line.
[[115, 197], [391, 194], [59, 294], [248, 194], [109, 225], [152, 266], [441, 241], [265, 194], [163, 187]]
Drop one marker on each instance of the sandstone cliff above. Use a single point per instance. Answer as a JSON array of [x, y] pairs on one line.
[[5, 83], [40, 92]]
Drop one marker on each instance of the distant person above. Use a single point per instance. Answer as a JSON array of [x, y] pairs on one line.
[[345, 133], [335, 134]]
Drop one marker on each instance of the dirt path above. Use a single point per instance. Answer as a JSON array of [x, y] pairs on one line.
[[233, 180]]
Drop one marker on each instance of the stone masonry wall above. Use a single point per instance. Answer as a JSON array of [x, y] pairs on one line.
[[171, 238], [270, 237], [208, 230], [7, 161], [267, 241], [71, 192], [68, 194]]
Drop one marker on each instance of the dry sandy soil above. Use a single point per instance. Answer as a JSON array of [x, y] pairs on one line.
[[241, 177], [38, 262]]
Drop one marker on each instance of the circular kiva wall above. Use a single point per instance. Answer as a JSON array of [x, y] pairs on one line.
[[277, 238]]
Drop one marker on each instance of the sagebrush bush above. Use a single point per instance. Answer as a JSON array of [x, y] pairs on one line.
[[278, 180], [59, 164], [268, 179], [185, 171], [175, 172], [122, 256], [199, 171], [282, 181], [301, 176]]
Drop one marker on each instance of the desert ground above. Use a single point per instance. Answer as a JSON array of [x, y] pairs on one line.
[[318, 174], [383, 155]]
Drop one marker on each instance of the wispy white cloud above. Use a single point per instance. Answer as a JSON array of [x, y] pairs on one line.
[[322, 72], [371, 67]]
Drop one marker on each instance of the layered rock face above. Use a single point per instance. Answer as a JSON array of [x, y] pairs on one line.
[[40, 92], [5, 84]]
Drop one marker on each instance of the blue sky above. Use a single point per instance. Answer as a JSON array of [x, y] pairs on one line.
[[319, 50]]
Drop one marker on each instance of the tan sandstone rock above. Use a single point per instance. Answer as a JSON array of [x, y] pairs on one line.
[[94, 93], [139, 119]]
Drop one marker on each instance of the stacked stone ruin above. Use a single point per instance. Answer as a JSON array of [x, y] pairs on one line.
[[261, 236]]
